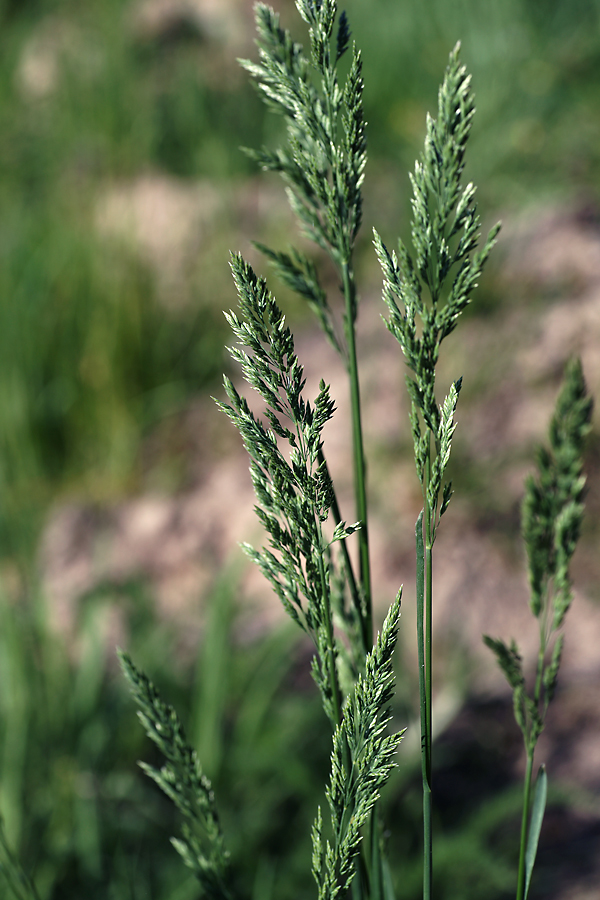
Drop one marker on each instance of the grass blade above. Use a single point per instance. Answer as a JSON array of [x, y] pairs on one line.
[[535, 827]]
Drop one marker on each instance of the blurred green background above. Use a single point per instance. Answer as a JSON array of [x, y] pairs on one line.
[[101, 342]]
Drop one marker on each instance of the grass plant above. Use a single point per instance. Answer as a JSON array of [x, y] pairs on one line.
[[445, 234], [253, 759], [306, 559]]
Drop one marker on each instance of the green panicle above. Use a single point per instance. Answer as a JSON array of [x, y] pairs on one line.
[[362, 759], [552, 513], [202, 846], [446, 266]]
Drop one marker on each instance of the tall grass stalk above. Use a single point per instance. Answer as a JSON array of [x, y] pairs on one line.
[[323, 167], [446, 267]]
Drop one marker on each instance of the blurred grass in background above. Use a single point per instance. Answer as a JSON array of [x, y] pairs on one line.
[[92, 358]]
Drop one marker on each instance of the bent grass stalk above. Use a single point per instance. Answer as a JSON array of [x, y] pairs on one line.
[[306, 559]]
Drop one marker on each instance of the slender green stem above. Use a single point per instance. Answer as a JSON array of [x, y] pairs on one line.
[[537, 693], [427, 845], [337, 517], [375, 874], [427, 795], [524, 827], [530, 743], [424, 697], [428, 646], [360, 487], [333, 679], [544, 638], [428, 723]]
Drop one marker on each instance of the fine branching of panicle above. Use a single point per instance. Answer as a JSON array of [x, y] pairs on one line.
[[202, 847], [551, 521], [362, 758]]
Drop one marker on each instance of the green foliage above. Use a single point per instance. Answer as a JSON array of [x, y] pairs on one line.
[[77, 818], [323, 167], [91, 362], [72, 419], [534, 65], [65, 749], [92, 359], [300, 274], [324, 171], [537, 817], [445, 232], [294, 498]]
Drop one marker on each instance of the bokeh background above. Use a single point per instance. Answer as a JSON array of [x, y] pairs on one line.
[[124, 491]]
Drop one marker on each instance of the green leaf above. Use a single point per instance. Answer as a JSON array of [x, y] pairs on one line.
[[535, 825]]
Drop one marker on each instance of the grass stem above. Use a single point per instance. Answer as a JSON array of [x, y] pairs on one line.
[[425, 709], [337, 518], [428, 649], [334, 684], [376, 886], [524, 828], [426, 737], [360, 489]]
